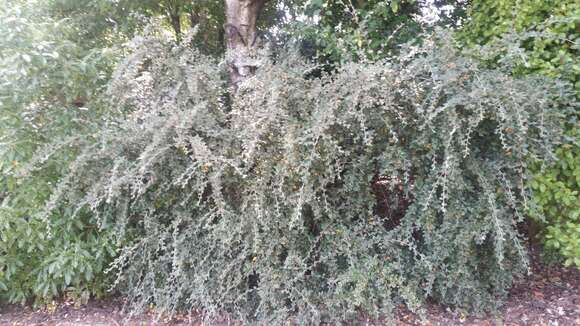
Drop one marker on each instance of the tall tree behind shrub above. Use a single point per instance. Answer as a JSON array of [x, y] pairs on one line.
[[346, 30], [342, 30]]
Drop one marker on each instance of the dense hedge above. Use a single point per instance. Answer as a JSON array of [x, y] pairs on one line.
[[308, 195], [545, 42], [47, 85], [264, 204]]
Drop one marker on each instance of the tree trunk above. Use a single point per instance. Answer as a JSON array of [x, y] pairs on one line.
[[176, 24], [241, 35], [174, 14], [193, 18]]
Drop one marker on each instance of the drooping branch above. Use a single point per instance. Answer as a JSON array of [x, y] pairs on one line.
[[241, 35]]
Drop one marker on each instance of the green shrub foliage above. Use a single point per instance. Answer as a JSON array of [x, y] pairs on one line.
[[546, 43], [557, 200], [49, 92], [264, 204], [551, 44]]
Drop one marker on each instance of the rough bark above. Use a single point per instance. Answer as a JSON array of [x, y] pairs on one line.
[[173, 12], [176, 24], [193, 17], [241, 36]]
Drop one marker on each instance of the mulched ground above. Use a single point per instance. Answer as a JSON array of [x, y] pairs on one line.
[[550, 297]]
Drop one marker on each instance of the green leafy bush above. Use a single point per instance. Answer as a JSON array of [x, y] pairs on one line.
[[556, 196], [264, 204], [50, 92], [550, 43], [546, 42]]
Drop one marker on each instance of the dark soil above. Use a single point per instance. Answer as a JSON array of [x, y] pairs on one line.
[[550, 296]]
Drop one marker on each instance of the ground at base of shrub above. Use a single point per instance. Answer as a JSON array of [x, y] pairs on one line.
[[550, 296]]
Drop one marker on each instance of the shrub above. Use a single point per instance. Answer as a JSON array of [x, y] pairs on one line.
[[556, 197], [545, 43], [264, 204], [49, 92]]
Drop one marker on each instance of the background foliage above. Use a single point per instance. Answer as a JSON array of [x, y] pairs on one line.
[[52, 75], [341, 31], [546, 37], [346, 30]]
